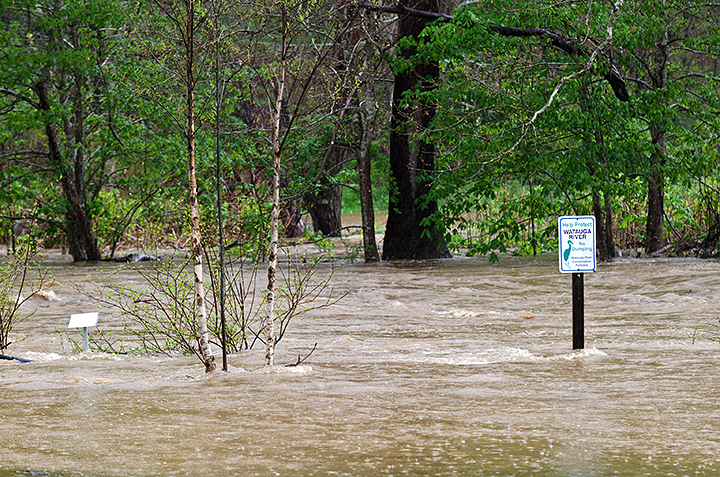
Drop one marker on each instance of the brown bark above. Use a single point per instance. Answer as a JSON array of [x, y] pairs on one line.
[[655, 207], [325, 207], [405, 236], [83, 244], [656, 174], [291, 219], [605, 242], [364, 168]]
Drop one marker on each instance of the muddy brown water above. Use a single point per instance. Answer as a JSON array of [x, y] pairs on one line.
[[453, 367]]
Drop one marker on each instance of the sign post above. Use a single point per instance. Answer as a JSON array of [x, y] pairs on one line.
[[84, 321], [576, 239]]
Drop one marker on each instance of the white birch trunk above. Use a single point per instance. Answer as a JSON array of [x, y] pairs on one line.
[[204, 334], [269, 318], [269, 322]]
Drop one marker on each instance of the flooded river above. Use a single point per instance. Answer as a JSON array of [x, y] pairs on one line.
[[440, 368]]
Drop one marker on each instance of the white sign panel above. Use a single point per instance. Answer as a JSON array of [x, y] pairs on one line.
[[83, 320], [577, 244]]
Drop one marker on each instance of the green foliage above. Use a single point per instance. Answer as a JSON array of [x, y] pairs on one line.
[[496, 172], [586, 143]]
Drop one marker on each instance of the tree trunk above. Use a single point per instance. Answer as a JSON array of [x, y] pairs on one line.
[[610, 237], [204, 334], [83, 244], [655, 207], [603, 215], [268, 319], [325, 207], [405, 235], [656, 177], [291, 219], [364, 168], [268, 323], [605, 244]]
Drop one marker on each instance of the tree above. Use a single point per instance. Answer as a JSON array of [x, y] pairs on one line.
[[425, 93], [186, 22], [286, 57], [669, 46], [56, 104], [367, 118], [507, 108], [366, 40], [410, 233]]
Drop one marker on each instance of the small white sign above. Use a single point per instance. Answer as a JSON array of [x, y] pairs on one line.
[[83, 320], [577, 244]]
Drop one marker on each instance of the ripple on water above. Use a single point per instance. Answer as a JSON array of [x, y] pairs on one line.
[[501, 355]]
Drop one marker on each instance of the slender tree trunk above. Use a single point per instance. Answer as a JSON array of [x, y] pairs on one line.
[[610, 237], [364, 167], [656, 204], [268, 324], [601, 236], [406, 237], [603, 215], [268, 321], [204, 338]]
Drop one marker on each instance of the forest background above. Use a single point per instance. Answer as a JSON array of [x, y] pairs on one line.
[[482, 122]]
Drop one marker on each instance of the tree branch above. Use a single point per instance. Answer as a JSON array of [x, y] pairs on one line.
[[20, 96], [402, 10], [613, 76]]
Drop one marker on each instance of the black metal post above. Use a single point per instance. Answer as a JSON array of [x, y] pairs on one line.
[[218, 184], [578, 304]]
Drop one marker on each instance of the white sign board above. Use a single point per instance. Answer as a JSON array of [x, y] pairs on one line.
[[577, 244], [83, 320]]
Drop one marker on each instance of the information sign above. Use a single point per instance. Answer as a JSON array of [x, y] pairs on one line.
[[577, 244], [83, 320]]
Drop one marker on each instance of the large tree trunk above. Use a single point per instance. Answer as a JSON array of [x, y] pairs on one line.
[[405, 237], [325, 208], [656, 174], [82, 242]]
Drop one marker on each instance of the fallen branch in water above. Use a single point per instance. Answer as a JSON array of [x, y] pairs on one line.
[[13, 358]]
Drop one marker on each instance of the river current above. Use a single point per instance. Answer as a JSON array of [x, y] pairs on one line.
[[442, 368]]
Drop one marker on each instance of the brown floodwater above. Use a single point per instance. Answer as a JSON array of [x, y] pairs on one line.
[[452, 367]]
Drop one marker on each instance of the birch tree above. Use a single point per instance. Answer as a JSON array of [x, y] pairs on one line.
[[176, 39], [190, 85], [287, 56], [276, 102]]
